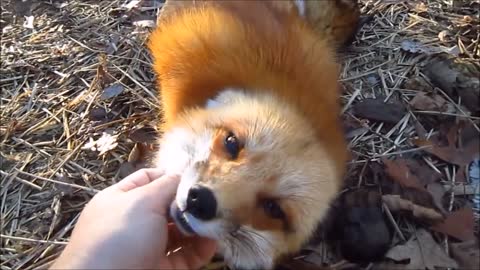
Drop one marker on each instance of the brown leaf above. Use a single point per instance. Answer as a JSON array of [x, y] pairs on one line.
[[425, 102], [423, 253], [97, 114], [112, 91], [457, 77], [377, 110], [466, 254], [396, 203], [418, 83], [437, 191], [423, 172], [458, 224], [399, 171], [143, 135], [450, 154], [135, 154], [460, 155], [126, 169]]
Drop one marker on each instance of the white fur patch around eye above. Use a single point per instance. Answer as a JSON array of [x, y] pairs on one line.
[[301, 7]]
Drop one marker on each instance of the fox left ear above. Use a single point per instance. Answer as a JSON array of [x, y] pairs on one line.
[[172, 6]]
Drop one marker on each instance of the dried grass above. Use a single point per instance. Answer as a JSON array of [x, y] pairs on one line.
[[52, 78]]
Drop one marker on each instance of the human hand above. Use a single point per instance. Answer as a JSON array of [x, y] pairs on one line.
[[125, 226]]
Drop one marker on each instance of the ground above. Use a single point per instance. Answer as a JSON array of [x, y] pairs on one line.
[[78, 106]]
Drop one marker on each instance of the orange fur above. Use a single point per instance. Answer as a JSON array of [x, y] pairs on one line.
[[287, 117], [248, 45]]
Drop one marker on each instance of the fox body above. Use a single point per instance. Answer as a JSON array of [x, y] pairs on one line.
[[249, 92]]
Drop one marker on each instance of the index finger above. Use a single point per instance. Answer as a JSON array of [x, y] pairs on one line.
[[138, 179]]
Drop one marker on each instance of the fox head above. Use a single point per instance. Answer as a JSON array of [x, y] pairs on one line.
[[253, 176]]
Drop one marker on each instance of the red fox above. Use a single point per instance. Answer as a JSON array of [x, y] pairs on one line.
[[249, 92]]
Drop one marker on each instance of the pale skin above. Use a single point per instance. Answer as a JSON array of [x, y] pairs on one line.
[[125, 226]]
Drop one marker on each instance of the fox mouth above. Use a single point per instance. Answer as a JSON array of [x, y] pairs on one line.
[[180, 220]]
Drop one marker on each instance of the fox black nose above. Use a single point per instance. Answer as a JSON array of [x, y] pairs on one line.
[[201, 203]]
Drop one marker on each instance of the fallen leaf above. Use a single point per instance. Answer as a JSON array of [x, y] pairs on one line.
[[459, 224], [144, 21], [126, 169], [423, 101], [420, 8], [131, 4], [418, 83], [437, 191], [134, 155], [425, 175], [377, 110], [422, 252], [103, 144], [106, 143], [396, 203], [466, 254], [143, 135], [457, 77], [97, 114], [417, 47], [29, 22], [462, 155], [112, 91], [442, 36], [399, 172]]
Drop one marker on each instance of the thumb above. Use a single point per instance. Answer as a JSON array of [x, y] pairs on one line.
[[160, 192]]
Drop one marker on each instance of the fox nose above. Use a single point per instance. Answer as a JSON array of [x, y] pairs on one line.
[[201, 203]]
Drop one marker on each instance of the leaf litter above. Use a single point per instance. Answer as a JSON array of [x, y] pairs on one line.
[[422, 252]]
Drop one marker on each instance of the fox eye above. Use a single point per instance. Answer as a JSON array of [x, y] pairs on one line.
[[232, 145], [273, 210]]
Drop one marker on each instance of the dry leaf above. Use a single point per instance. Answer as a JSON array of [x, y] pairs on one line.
[[112, 91], [423, 253], [377, 110], [97, 114], [103, 144], [442, 36], [437, 191], [399, 171], [131, 4], [396, 203], [418, 83], [143, 135], [461, 156], [135, 154], [148, 23], [466, 254], [424, 102], [459, 224], [126, 169], [457, 77], [28, 23]]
